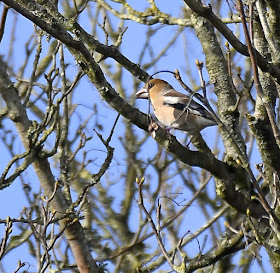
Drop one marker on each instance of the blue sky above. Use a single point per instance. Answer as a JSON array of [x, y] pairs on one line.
[[12, 198]]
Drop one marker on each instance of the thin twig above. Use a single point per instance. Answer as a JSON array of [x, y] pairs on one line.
[[4, 241], [19, 266], [153, 226]]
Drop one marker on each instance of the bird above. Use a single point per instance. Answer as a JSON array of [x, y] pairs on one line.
[[174, 109]]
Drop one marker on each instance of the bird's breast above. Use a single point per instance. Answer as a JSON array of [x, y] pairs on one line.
[[165, 115]]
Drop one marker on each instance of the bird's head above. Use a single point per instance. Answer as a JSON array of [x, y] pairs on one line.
[[154, 87]]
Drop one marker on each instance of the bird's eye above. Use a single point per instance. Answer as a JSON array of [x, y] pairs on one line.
[[151, 85]]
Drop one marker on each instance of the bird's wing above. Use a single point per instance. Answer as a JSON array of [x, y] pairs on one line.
[[182, 102]]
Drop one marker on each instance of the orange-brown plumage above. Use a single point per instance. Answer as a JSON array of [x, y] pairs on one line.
[[174, 109]]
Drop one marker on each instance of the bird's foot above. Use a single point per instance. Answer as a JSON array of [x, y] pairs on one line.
[[152, 128]]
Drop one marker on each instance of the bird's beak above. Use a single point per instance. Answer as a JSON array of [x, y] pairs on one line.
[[142, 94]]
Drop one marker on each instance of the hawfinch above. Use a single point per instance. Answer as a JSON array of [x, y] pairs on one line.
[[174, 109]]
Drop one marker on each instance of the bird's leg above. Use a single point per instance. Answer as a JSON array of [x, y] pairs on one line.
[[153, 126]]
